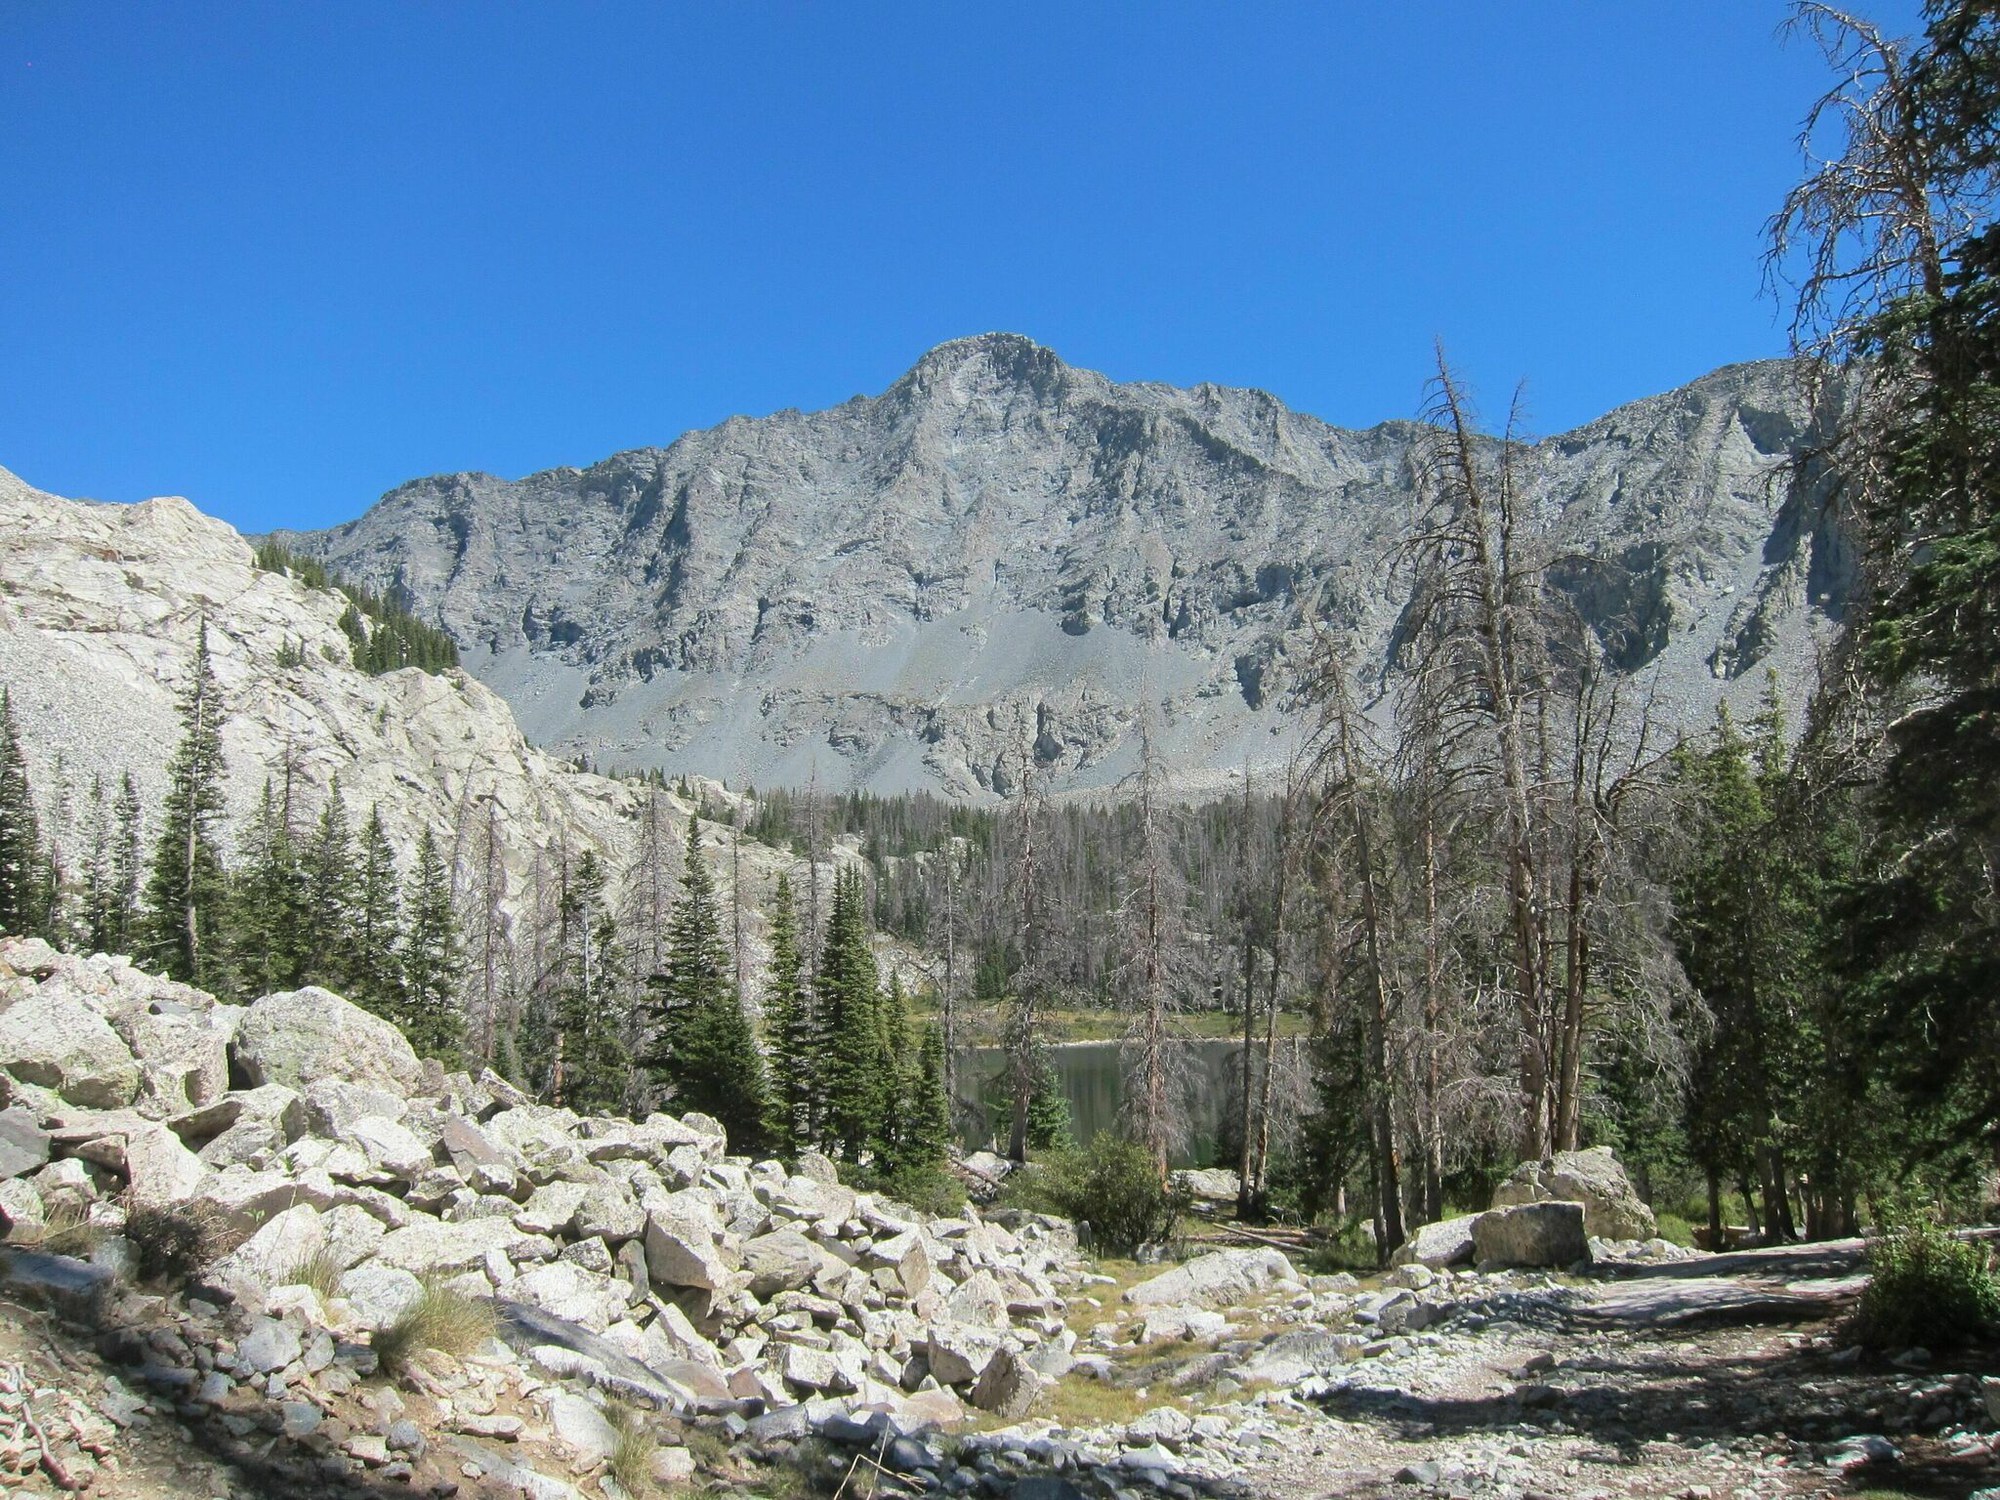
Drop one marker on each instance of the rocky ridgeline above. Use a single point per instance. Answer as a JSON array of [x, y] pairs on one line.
[[633, 1262], [896, 592]]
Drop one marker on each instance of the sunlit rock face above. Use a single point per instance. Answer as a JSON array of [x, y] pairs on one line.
[[1001, 561]]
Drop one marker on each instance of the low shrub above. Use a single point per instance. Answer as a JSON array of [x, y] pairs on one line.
[[171, 1241], [1926, 1287], [1112, 1185], [441, 1318], [929, 1190]]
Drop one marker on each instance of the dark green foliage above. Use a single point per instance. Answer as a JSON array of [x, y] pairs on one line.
[[925, 1140], [792, 1031], [1926, 1288], [704, 1050], [187, 893], [384, 633], [1050, 1127], [1114, 1186], [930, 1190], [850, 1000], [373, 977], [590, 987], [328, 897], [267, 899], [432, 958], [23, 907]]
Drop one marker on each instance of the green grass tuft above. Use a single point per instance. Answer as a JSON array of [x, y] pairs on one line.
[[442, 1319]]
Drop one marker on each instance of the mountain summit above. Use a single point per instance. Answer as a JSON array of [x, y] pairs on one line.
[[1002, 550]]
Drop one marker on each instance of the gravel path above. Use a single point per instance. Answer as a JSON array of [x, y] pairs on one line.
[[1722, 1377]]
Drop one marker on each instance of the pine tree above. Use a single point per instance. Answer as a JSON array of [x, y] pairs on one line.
[[897, 1073], [187, 891], [432, 962], [926, 1137], [97, 870], [327, 912], [851, 1006], [705, 1050], [373, 970], [794, 1039], [1050, 1126], [127, 868], [264, 905], [591, 1078], [21, 876]]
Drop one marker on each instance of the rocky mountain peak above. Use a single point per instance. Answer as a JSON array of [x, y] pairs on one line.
[[1003, 554]]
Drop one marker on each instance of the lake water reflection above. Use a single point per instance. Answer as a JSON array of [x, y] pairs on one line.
[[1093, 1079]]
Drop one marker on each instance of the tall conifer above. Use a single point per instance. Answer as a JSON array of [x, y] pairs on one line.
[[374, 977], [264, 904], [788, 1022], [186, 891], [20, 834], [705, 1050], [850, 1008], [594, 1063], [432, 961], [328, 898]]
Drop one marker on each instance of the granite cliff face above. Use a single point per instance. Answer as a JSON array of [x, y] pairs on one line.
[[99, 608], [1001, 551]]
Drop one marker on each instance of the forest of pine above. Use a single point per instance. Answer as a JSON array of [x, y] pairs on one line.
[[1512, 914]]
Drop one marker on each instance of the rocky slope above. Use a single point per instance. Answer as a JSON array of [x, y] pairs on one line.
[[99, 608], [1002, 552], [765, 1330]]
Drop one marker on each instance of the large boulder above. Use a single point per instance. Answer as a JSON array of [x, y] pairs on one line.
[[24, 1145], [52, 1039], [298, 1036], [1217, 1279], [1531, 1234], [680, 1251], [782, 1261], [1611, 1209], [1448, 1242]]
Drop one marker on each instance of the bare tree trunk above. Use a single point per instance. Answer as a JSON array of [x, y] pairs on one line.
[[948, 1001], [1245, 1203], [1024, 1040], [1493, 627], [1261, 1164], [1433, 1086]]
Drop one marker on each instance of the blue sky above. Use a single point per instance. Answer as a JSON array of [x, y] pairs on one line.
[[279, 258]]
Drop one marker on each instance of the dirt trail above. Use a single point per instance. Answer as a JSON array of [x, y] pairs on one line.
[[1725, 1372]]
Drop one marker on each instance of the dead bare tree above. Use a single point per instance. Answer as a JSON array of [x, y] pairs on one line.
[[1151, 917]]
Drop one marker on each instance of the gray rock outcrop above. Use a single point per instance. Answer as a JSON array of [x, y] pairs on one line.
[[1002, 551], [1612, 1208], [1531, 1234]]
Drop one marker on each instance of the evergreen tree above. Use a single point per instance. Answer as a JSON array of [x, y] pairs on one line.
[[328, 899], [851, 1011], [705, 1050], [897, 1072], [789, 1024], [127, 869], [187, 892], [98, 914], [432, 961], [1050, 1126], [924, 1143], [591, 1076], [373, 969], [22, 908], [264, 905]]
